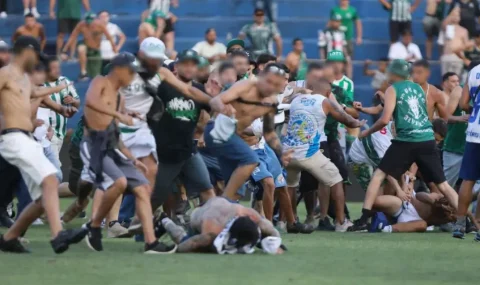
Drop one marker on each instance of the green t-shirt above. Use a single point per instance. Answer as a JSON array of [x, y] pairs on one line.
[[455, 139], [349, 16], [302, 68], [346, 84], [260, 36], [69, 9], [78, 134], [152, 17], [331, 125], [410, 114]]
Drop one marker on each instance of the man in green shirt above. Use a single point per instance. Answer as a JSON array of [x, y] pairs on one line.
[[69, 14], [349, 16], [260, 35], [405, 103]]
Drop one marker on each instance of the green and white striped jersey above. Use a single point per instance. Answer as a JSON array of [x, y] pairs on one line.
[[400, 11], [57, 121]]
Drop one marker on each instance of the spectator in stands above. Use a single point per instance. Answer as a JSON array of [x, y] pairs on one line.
[[268, 7], [210, 48], [3, 9], [296, 60], [400, 16], [265, 59], [241, 63], [4, 54], [472, 54], [119, 38], [69, 13], [432, 22], [332, 38], [469, 13], [203, 70], [455, 39], [349, 16], [161, 23], [379, 75], [31, 28], [405, 49], [235, 44], [30, 6], [261, 34]]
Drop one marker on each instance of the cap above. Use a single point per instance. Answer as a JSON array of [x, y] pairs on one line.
[[89, 17], [188, 54], [124, 59], [28, 42], [235, 42], [335, 17], [336, 56], [203, 62], [4, 47], [399, 67], [153, 48]]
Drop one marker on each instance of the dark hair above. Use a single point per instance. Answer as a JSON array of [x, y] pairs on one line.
[[103, 11], [225, 66], [295, 40], [447, 75], [421, 63], [384, 59], [440, 127], [241, 53], [284, 67], [406, 33], [29, 15], [244, 231], [265, 57], [209, 30], [314, 66], [40, 67]]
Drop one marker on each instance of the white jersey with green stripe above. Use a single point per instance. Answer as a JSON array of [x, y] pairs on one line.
[[371, 149], [57, 121], [138, 100]]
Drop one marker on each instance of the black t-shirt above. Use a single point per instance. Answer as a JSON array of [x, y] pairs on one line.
[[174, 132], [469, 11]]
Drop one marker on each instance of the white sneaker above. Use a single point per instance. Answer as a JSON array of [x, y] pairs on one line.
[[430, 228], [117, 231], [26, 11], [35, 12], [3, 15], [37, 222], [341, 228]]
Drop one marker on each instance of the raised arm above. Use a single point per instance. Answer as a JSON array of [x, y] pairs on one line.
[[45, 91], [330, 108], [389, 107], [186, 89]]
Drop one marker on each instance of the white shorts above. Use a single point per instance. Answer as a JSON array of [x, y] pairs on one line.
[[141, 143], [408, 213], [358, 155], [27, 155]]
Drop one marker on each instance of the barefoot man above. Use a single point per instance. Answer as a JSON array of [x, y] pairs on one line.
[[18, 148], [89, 57]]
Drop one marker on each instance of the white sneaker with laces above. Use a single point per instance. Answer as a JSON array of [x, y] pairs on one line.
[[3, 15], [35, 12], [26, 11], [117, 231], [341, 228]]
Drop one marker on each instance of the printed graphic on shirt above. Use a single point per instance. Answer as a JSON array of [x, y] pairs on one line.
[[182, 109]]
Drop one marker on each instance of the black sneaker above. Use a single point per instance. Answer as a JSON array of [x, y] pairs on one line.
[[160, 248], [300, 228], [358, 226], [13, 246], [158, 226], [67, 237], [325, 225], [470, 227], [94, 238], [5, 220], [83, 77]]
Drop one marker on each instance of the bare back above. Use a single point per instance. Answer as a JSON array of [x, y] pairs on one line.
[[15, 109], [108, 98], [92, 34]]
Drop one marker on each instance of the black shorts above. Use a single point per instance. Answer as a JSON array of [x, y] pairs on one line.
[[401, 155], [66, 26], [397, 28], [168, 26], [10, 180], [332, 150], [76, 167]]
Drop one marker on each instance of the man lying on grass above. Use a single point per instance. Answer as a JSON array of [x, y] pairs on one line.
[[224, 228]]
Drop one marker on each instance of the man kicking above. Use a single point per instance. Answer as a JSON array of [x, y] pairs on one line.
[[308, 114], [405, 102], [18, 148], [224, 228], [111, 165]]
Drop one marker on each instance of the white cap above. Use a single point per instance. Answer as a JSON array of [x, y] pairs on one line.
[[153, 48]]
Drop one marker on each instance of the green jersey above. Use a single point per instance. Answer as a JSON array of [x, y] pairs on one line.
[[410, 114], [455, 139], [302, 67], [153, 16], [78, 134], [331, 125], [346, 84], [260, 36], [349, 16], [69, 9], [57, 121]]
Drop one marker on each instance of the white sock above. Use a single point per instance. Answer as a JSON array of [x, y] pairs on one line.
[[26, 11], [387, 229]]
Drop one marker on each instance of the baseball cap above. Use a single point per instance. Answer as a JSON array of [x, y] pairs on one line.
[[399, 67], [335, 17], [203, 62], [153, 48], [89, 17], [235, 42], [4, 47], [188, 54], [336, 56], [124, 59]]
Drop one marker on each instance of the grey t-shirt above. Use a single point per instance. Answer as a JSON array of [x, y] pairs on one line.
[[260, 36]]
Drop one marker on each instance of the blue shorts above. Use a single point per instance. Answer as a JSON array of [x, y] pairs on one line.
[[212, 165], [269, 167], [231, 154], [470, 169]]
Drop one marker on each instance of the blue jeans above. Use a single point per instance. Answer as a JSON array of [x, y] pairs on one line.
[[127, 209]]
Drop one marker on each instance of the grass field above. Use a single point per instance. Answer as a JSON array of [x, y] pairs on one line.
[[319, 258]]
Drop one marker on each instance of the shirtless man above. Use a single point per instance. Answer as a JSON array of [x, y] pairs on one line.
[[33, 29], [296, 60], [251, 100], [89, 57], [18, 148], [223, 228], [456, 40], [432, 22]]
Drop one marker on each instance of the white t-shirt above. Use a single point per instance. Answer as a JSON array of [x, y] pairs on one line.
[[207, 50], [105, 46], [473, 129], [40, 133], [399, 51]]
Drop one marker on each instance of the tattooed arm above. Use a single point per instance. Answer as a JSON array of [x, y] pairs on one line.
[[340, 115], [269, 134], [198, 243]]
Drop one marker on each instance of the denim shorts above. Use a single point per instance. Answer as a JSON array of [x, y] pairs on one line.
[[269, 167]]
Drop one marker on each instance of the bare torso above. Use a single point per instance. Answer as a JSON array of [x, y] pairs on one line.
[[92, 34], [455, 44], [35, 31], [431, 8], [432, 95], [15, 108], [99, 121]]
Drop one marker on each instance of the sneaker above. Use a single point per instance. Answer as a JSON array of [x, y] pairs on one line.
[[5, 220], [135, 227], [74, 210], [115, 230], [477, 237], [38, 222], [281, 227], [470, 227], [430, 228], [341, 228], [325, 225], [458, 234], [160, 248], [299, 228], [26, 11], [13, 246], [83, 77], [459, 228], [35, 12], [446, 228], [67, 237], [11, 211], [94, 238], [358, 226], [158, 226], [310, 220], [3, 15]]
